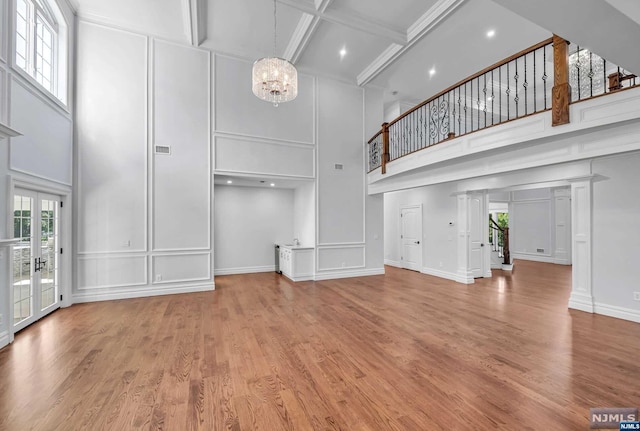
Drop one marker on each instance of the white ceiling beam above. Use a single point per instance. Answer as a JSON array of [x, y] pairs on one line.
[[194, 19], [301, 37], [349, 20], [427, 22]]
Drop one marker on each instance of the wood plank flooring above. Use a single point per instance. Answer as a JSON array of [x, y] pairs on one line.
[[403, 351]]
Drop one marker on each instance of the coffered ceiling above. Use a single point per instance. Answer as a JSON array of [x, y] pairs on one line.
[[388, 44]]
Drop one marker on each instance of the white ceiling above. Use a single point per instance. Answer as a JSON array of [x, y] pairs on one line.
[[391, 45]]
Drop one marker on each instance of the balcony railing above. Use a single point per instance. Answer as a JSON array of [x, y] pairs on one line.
[[518, 86]]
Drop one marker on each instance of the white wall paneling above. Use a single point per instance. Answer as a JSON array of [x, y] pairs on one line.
[[464, 273], [45, 147], [340, 257], [186, 267], [112, 140], [4, 95], [581, 292], [4, 28], [341, 215], [304, 217], [181, 117], [616, 235], [110, 271], [247, 155], [239, 111], [562, 219]]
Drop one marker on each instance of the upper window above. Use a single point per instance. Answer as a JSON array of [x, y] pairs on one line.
[[38, 49]]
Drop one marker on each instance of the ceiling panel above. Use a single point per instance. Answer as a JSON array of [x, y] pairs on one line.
[[245, 27], [457, 49], [398, 15], [323, 52]]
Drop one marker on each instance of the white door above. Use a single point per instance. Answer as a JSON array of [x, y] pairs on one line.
[[477, 231], [36, 257], [411, 237]]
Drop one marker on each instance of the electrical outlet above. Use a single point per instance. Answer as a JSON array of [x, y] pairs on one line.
[[636, 296], [158, 277]]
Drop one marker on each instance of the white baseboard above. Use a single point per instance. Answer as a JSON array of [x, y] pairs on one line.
[[578, 301], [348, 274], [442, 274], [4, 339], [533, 257], [393, 263], [244, 270], [618, 312], [140, 293]]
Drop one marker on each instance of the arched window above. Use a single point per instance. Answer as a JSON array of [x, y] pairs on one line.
[[40, 44]]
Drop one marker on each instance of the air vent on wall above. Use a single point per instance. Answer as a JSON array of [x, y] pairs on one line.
[[540, 250], [163, 150], [338, 166]]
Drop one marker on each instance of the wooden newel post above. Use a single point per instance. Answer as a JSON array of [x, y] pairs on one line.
[[505, 247], [385, 147], [561, 93]]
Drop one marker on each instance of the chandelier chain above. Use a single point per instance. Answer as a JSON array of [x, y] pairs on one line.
[[275, 26]]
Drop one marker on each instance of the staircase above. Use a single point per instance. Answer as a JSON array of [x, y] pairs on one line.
[[499, 243]]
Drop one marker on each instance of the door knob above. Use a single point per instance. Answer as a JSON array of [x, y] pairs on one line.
[[417, 242]]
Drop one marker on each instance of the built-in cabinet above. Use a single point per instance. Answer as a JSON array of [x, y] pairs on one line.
[[297, 262]]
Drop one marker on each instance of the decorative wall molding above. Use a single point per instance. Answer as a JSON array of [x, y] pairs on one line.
[[167, 280], [261, 139], [323, 252], [4, 339], [79, 298], [581, 231], [143, 272]]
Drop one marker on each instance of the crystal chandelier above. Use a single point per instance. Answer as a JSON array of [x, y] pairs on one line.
[[274, 79]]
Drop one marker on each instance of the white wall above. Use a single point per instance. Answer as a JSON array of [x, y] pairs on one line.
[[143, 220], [42, 157], [248, 222], [304, 216], [439, 245], [616, 235]]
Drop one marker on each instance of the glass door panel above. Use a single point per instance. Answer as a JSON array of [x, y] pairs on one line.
[[49, 253], [22, 258]]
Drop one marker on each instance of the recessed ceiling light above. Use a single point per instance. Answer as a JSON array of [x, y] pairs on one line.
[[432, 71], [229, 182], [343, 52], [272, 185], [491, 33]]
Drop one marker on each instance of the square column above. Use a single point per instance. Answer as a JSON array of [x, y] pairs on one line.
[[581, 213]]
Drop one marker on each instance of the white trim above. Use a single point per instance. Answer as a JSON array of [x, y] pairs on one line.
[[395, 263], [617, 312], [301, 36], [261, 139], [545, 258], [244, 270], [581, 302], [349, 274], [344, 246], [141, 293], [443, 274], [152, 268], [4, 339]]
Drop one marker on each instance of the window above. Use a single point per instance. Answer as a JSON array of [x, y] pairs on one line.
[[38, 47]]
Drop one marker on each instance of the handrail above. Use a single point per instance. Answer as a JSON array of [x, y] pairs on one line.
[[476, 75], [549, 75], [500, 248], [493, 222]]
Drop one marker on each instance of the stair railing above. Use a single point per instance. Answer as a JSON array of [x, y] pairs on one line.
[[499, 238]]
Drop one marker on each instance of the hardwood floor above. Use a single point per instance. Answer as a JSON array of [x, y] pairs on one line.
[[403, 351]]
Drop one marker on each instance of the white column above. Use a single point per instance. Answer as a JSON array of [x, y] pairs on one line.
[[581, 292], [562, 205], [464, 274]]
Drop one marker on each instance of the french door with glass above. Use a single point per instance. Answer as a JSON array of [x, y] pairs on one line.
[[36, 257]]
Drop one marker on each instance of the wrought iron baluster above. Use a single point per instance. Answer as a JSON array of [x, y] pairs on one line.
[[484, 91], [578, 69], [515, 78], [544, 74], [459, 112], [591, 73], [492, 96], [508, 92], [525, 85], [534, 82], [500, 92], [465, 107]]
